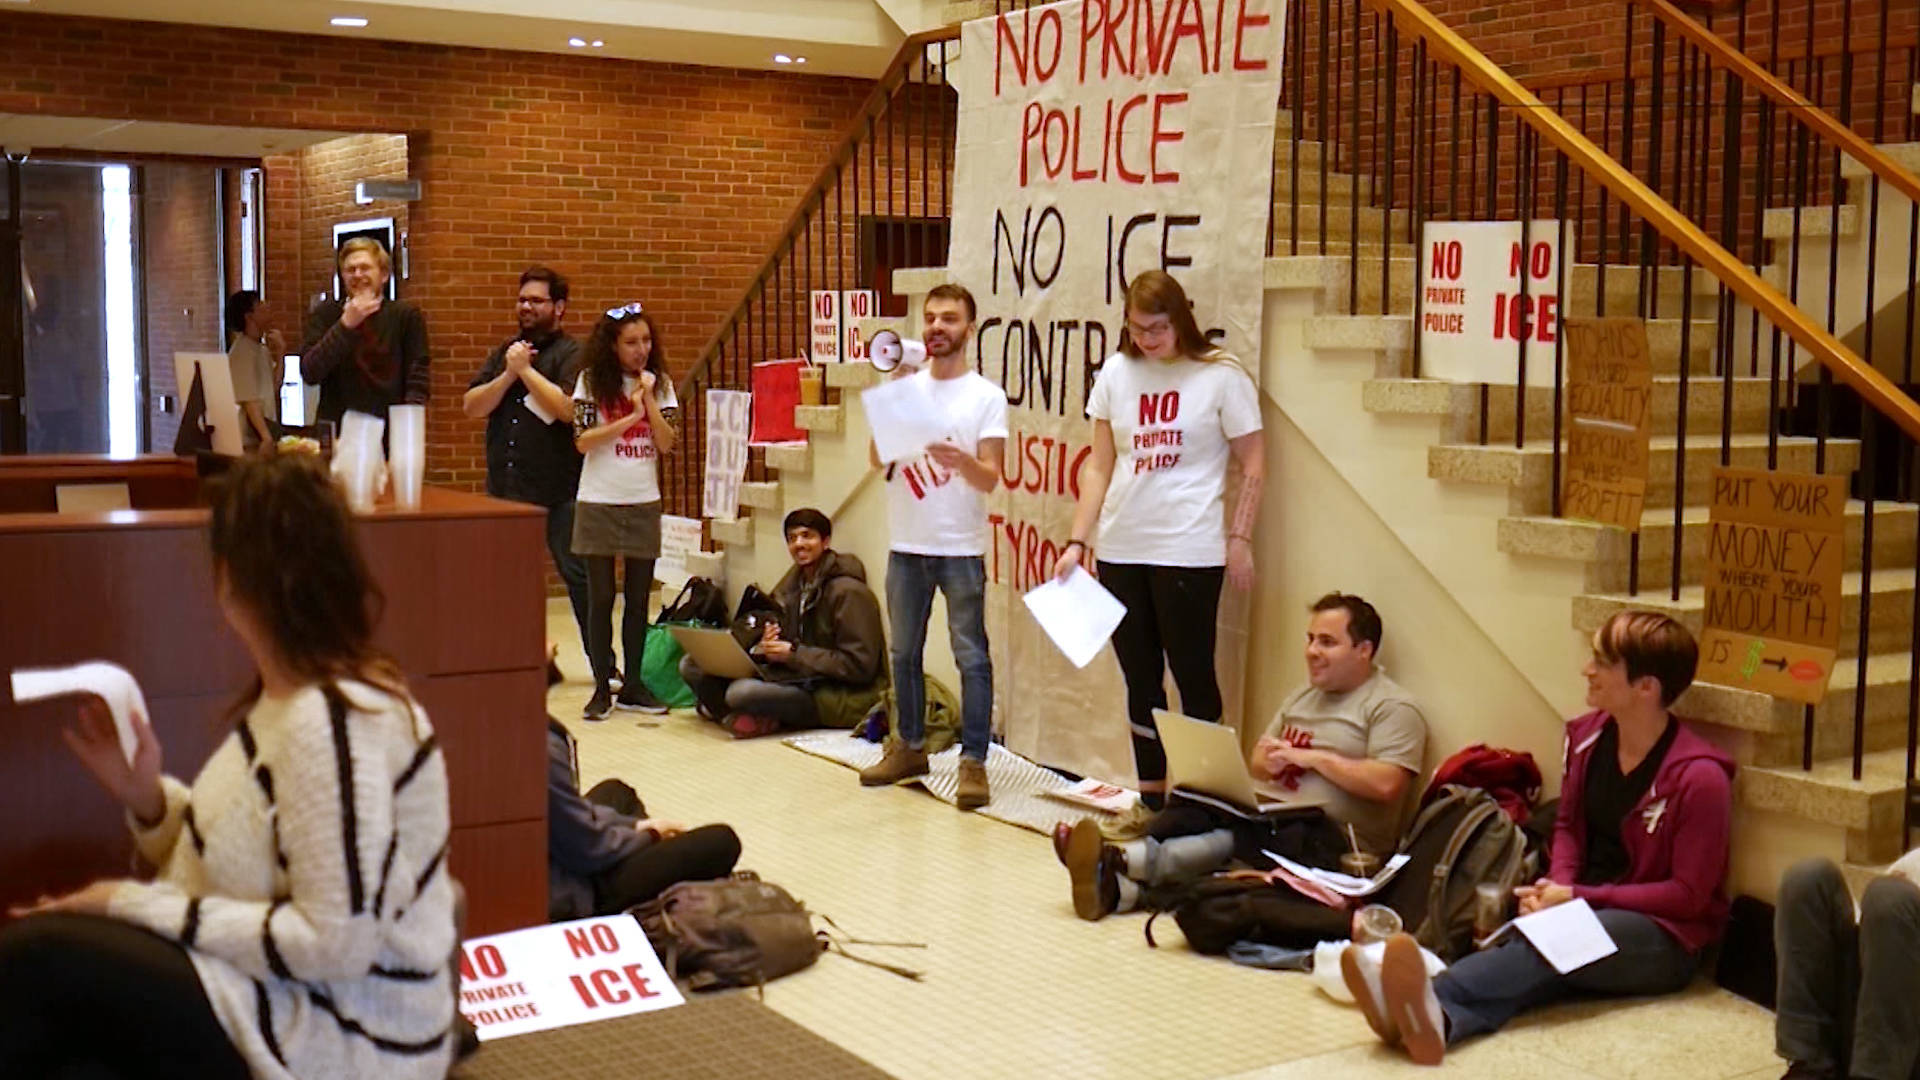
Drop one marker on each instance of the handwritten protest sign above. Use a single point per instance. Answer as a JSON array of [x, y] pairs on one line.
[[1473, 314], [1097, 140], [561, 975], [1775, 554], [727, 430], [776, 391], [1609, 421], [679, 538]]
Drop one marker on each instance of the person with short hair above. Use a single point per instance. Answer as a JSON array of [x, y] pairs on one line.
[[1349, 744], [937, 517], [1848, 1004], [301, 919], [623, 420], [1642, 836], [256, 355], [525, 391], [366, 353], [824, 653], [1173, 416]]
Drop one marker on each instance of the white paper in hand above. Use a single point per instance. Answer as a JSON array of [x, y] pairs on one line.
[[532, 403], [904, 417], [1079, 614], [1568, 936], [114, 684]]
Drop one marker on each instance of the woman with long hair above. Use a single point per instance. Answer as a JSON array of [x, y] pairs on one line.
[[301, 921], [623, 411], [1171, 414]]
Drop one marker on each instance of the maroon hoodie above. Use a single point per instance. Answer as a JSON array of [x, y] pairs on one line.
[[1676, 837]]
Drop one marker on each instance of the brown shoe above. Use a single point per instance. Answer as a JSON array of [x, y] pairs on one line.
[[900, 763], [1093, 867], [972, 793]]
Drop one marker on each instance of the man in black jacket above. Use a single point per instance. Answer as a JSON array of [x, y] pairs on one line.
[[824, 655], [367, 353], [604, 855]]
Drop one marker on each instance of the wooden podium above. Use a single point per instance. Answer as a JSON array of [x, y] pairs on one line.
[[465, 618]]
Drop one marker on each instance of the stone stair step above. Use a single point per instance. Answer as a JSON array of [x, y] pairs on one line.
[[711, 565], [796, 458], [1870, 808], [858, 374], [1529, 470], [1606, 549], [831, 419], [1460, 402], [765, 495], [1338, 185], [1891, 617], [1340, 224], [735, 533], [1815, 222], [1904, 154], [1370, 251]]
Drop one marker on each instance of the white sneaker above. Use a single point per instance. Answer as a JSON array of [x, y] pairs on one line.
[[1411, 1003]]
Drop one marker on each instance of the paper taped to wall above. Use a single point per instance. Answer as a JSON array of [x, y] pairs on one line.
[[114, 684]]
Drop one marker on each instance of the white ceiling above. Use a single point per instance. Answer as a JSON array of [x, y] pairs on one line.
[[838, 37], [149, 137]]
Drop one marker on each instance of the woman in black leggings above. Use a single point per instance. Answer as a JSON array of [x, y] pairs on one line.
[[1171, 415]]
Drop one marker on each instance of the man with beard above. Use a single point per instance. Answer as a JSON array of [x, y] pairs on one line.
[[524, 390], [936, 510]]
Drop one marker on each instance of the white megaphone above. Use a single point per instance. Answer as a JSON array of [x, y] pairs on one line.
[[889, 350]]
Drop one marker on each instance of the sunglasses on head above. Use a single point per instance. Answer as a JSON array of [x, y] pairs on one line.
[[625, 310]]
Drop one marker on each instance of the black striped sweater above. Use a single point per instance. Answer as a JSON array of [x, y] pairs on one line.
[[305, 873]]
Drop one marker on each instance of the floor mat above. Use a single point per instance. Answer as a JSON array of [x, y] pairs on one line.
[[1018, 785], [728, 1037]]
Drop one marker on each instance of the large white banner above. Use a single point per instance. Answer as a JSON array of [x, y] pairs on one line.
[[1098, 139], [1473, 312]]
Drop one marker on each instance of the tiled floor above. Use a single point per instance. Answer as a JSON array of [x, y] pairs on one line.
[[1017, 987]]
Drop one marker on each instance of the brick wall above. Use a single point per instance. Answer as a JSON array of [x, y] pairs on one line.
[[183, 300], [662, 182]]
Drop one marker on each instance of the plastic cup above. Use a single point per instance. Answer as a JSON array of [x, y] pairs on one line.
[[1359, 864], [1375, 922], [409, 443]]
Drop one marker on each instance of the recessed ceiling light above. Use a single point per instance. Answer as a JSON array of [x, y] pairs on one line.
[[782, 58], [598, 44], [799, 59], [348, 20], [578, 43]]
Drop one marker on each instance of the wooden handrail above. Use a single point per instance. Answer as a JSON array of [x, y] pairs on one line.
[[1822, 122], [873, 106], [1442, 41]]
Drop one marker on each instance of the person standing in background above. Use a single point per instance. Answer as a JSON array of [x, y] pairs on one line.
[[367, 353], [257, 356]]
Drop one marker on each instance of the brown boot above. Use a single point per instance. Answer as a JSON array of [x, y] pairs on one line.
[[972, 793], [901, 763]]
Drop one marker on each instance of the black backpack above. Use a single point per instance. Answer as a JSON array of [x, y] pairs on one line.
[[1461, 840], [700, 602], [1218, 910]]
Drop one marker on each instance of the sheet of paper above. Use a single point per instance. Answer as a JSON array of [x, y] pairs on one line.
[[532, 402], [1097, 795], [904, 417], [1079, 614], [1568, 936], [114, 684], [1345, 884]]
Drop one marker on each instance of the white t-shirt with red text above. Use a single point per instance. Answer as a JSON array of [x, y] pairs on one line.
[[1171, 421], [931, 510], [626, 470]]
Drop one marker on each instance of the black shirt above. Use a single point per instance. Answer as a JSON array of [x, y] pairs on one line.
[[1611, 796], [527, 460], [382, 362]]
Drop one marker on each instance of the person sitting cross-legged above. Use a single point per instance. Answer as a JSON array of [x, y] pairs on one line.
[[1641, 836], [823, 657]]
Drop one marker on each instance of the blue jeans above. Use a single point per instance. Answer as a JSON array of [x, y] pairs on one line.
[[1488, 988], [911, 580], [571, 568]]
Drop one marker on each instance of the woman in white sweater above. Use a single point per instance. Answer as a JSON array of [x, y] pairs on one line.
[[300, 923]]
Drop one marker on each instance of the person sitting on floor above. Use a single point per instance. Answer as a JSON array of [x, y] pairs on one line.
[[1641, 836], [605, 855], [1849, 991], [1351, 743], [823, 657]]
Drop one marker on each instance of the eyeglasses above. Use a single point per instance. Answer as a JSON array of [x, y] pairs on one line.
[[625, 310]]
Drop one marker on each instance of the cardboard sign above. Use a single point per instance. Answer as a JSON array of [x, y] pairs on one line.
[[728, 423], [561, 975], [1775, 554], [1095, 142], [679, 538], [1472, 314], [1609, 421], [776, 391], [834, 323]]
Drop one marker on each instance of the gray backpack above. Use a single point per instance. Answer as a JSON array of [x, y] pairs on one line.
[[1462, 839]]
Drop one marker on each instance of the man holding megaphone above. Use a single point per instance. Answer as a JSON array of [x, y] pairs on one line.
[[937, 513]]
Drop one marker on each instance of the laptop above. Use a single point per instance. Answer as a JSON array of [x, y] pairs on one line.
[[1205, 763], [717, 652]]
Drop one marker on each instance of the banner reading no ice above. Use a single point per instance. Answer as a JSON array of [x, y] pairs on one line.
[[1097, 139]]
